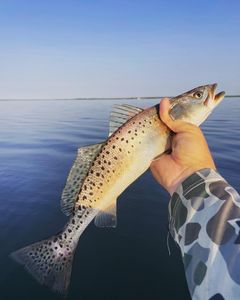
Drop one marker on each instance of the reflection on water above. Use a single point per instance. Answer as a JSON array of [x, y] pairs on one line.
[[38, 143]]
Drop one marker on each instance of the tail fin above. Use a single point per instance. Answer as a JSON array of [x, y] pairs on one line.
[[49, 261]]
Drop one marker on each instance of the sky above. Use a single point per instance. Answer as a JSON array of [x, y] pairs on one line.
[[117, 48]]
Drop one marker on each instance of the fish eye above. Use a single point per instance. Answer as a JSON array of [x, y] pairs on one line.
[[198, 95]]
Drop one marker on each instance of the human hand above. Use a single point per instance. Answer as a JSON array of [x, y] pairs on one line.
[[189, 152]]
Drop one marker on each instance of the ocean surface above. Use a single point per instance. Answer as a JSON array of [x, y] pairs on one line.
[[38, 143]]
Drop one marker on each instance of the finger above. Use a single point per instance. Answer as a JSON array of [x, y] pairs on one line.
[[161, 162], [161, 156], [174, 125]]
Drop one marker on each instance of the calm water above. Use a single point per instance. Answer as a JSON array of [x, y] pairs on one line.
[[38, 143]]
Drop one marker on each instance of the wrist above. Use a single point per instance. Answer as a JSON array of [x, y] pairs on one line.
[[184, 175]]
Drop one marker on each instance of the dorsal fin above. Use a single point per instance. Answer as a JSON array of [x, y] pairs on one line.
[[120, 115], [107, 217], [76, 176]]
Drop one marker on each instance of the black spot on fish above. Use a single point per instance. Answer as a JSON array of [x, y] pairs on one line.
[[91, 172], [120, 149], [98, 174], [115, 157], [73, 221], [102, 168], [113, 146], [126, 141], [129, 131], [107, 152], [122, 139], [109, 163], [99, 162]]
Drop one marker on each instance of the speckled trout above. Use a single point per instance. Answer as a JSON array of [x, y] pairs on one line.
[[103, 171]]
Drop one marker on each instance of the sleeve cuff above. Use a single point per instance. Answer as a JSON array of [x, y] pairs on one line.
[[189, 197]]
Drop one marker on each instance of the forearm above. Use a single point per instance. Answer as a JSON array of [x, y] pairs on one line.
[[205, 222]]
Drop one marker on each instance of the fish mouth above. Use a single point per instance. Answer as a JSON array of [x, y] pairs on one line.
[[216, 98], [219, 97]]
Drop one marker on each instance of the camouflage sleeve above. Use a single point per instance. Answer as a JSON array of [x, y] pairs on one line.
[[204, 215]]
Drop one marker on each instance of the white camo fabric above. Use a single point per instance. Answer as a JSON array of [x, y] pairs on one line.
[[204, 220]]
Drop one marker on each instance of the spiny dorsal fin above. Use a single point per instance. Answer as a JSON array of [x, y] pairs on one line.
[[77, 175], [120, 115], [107, 217]]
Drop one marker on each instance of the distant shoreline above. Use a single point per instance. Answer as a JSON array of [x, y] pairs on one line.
[[102, 98]]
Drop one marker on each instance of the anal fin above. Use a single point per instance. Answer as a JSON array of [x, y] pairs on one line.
[[107, 217]]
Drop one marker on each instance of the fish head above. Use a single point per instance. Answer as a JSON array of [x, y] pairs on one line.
[[195, 106]]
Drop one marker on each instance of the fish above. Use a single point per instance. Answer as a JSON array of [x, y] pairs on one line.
[[101, 172]]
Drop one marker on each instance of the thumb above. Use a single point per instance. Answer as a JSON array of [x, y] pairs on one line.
[[174, 125]]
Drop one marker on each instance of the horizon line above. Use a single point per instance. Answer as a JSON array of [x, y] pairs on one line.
[[95, 98]]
